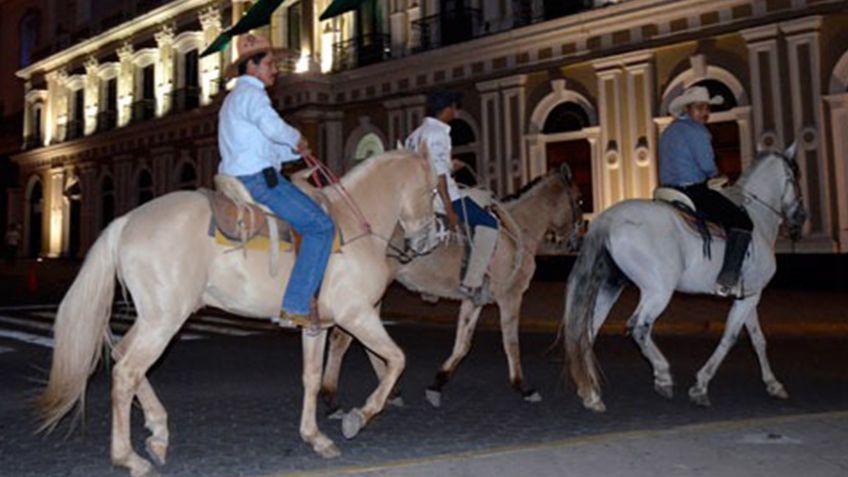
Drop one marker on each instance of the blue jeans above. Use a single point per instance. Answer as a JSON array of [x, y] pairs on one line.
[[472, 214], [311, 222]]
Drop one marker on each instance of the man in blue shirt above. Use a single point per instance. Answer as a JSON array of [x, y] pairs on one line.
[[687, 161], [254, 141]]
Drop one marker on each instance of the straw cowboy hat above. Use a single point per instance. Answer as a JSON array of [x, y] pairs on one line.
[[695, 94], [246, 46]]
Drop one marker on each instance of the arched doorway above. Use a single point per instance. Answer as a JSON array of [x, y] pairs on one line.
[[107, 201], [187, 177], [144, 187], [724, 129], [370, 145], [567, 145], [35, 205], [73, 202], [464, 148]]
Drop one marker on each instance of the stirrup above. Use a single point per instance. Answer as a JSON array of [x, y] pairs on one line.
[[479, 295], [310, 323], [736, 291]]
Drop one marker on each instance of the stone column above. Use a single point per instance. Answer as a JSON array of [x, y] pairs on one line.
[[514, 156], [838, 108], [56, 114], [334, 142], [164, 69], [612, 166], [126, 84], [210, 66], [491, 164], [54, 211], [92, 95], [641, 138], [90, 197], [765, 85], [802, 42]]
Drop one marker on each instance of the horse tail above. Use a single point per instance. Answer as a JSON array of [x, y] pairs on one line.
[[81, 326], [594, 267]]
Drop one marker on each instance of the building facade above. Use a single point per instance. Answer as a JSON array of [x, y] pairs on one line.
[[130, 113]]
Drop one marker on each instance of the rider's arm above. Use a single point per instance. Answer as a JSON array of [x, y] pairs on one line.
[[702, 151], [439, 155], [262, 114]]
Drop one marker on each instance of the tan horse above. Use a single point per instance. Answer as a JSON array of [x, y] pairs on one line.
[[162, 254], [550, 202]]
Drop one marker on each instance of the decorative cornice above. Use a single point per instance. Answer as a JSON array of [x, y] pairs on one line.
[[165, 35], [210, 18], [125, 52], [91, 65]]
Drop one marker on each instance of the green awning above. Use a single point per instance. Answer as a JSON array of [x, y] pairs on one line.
[[259, 15], [340, 6]]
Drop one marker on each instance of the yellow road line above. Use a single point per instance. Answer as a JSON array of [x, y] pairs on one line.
[[567, 442]]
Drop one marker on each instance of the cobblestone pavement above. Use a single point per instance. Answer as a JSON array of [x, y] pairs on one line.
[[234, 402]]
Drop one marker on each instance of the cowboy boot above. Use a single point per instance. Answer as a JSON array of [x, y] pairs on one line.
[[736, 246], [310, 323], [483, 247]]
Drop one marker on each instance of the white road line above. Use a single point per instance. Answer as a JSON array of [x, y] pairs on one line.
[[27, 338]]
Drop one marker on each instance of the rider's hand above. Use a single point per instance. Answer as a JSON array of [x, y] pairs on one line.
[[303, 146], [453, 220]]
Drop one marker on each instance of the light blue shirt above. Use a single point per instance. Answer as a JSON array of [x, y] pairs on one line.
[[251, 134], [686, 153]]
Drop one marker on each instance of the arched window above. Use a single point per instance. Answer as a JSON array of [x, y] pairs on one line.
[[463, 135], [725, 133], [566, 117], [107, 201], [564, 121], [30, 24], [370, 145], [144, 187], [187, 180]]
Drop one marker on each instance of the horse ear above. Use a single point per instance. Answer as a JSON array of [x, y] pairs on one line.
[[400, 146], [565, 172], [761, 149], [790, 151]]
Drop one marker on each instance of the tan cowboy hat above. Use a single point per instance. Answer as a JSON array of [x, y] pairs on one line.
[[695, 94], [248, 45]]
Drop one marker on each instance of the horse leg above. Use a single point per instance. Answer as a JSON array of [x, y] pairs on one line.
[[509, 315], [313, 360], [368, 329], [155, 415], [737, 317], [468, 316], [148, 343], [758, 341], [651, 304], [339, 344]]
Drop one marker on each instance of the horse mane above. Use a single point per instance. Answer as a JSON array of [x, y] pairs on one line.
[[362, 169], [524, 190]]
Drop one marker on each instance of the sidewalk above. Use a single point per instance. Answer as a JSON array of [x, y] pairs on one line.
[[812, 445]]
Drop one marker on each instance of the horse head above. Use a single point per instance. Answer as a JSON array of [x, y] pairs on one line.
[[791, 203], [417, 218], [568, 218]]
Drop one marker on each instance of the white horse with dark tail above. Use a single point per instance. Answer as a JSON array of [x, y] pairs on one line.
[[649, 244]]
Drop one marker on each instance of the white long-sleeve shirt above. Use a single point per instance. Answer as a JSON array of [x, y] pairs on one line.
[[251, 134], [437, 136]]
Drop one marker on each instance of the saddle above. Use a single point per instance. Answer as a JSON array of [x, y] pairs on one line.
[[238, 221], [688, 213]]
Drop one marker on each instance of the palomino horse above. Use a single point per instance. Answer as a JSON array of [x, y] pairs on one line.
[[162, 254], [549, 202], [648, 244]]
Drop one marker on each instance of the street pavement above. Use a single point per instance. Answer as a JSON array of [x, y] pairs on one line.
[[232, 388]]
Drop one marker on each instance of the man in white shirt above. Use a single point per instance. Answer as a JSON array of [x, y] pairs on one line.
[[254, 141], [434, 130]]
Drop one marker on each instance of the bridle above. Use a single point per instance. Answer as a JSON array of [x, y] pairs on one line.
[[792, 174]]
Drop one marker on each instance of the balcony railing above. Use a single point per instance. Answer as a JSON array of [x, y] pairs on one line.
[[361, 51], [186, 98], [143, 109], [33, 141], [107, 120], [449, 27], [524, 12], [74, 129]]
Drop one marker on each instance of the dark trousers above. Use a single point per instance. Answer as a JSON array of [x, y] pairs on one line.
[[716, 207]]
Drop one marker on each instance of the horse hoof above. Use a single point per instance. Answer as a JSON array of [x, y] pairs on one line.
[[145, 470], [396, 401], [157, 449], [352, 423], [698, 397], [434, 397], [777, 390], [532, 396], [328, 451], [595, 406], [336, 415], [665, 390]]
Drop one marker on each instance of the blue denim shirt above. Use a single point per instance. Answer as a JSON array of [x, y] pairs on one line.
[[686, 153]]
